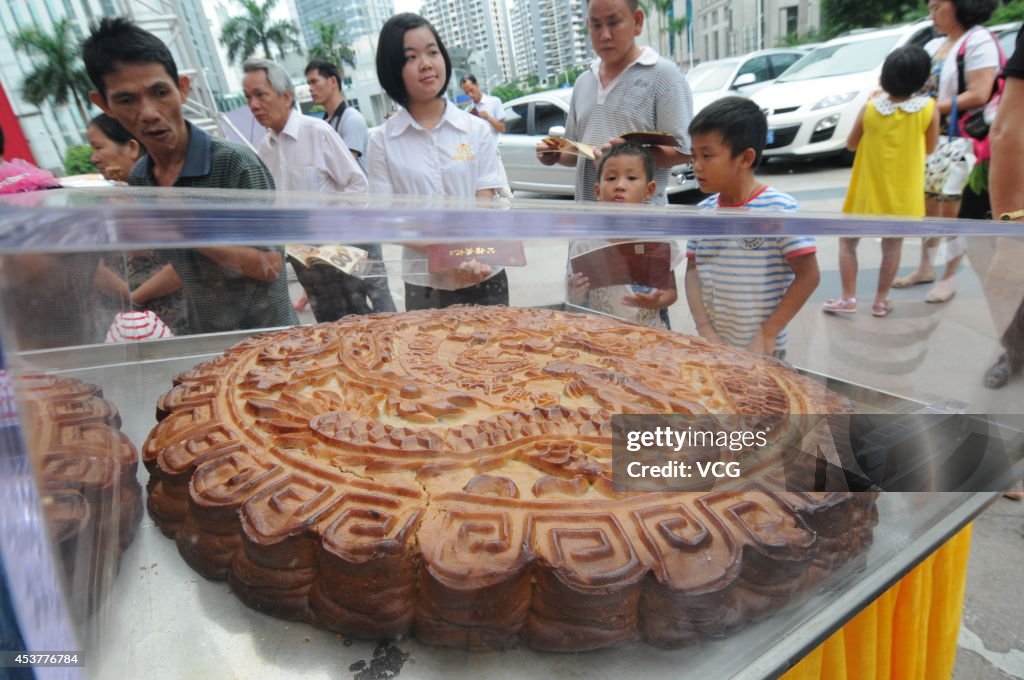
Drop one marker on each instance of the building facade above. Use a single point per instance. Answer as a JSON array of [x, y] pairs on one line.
[[50, 130], [361, 17], [549, 37], [724, 28], [477, 34]]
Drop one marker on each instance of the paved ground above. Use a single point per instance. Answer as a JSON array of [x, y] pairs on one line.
[[923, 351]]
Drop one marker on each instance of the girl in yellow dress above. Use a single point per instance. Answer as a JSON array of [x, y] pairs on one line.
[[893, 133]]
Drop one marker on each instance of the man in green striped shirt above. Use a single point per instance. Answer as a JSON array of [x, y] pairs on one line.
[[137, 82]]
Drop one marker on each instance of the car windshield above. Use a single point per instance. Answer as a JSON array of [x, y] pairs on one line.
[[710, 76], [841, 60]]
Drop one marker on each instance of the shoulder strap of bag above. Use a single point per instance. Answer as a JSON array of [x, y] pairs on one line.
[[1000, 81], [335, 119], [953, 123]]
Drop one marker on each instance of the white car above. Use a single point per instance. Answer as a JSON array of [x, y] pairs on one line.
[[745, 75], [533, 117], [811, 108], [1007, 36]]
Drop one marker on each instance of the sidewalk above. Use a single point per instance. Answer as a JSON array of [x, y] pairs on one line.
[[992, 631]]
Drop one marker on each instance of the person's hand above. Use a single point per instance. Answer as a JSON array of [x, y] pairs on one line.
[[546, 151], [470, 273], [578, 287], [598, 152], [708, 332], [761, 344], [656, 299]]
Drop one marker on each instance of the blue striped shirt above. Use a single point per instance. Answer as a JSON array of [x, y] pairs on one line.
[[743, 279]]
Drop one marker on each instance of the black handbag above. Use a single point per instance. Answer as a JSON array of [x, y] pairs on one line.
[[974, 125]]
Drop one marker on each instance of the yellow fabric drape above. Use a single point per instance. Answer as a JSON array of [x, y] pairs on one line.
[[908, 633]]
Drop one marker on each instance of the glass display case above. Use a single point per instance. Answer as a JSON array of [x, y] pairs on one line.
[[90, 568]]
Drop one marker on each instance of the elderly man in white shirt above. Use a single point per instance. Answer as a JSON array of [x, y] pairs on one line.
[[302, 153], [306, 154]]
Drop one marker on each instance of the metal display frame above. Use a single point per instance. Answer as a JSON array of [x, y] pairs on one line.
[[134, 375]]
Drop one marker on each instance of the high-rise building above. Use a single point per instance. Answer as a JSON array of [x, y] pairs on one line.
[[549, 37], [723, 28], [361, 17], [50, 130], [478, 30]]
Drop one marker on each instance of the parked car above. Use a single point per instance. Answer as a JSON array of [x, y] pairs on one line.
[[812, 106], [744, 75], [533, 117], [1006, 34]]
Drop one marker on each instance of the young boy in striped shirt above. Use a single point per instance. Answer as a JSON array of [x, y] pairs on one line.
[[743, 291]]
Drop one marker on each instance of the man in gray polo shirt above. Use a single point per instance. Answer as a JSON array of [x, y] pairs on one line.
[[628, 88], [228, 288]]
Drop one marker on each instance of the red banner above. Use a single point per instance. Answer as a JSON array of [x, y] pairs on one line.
[[15, 144]]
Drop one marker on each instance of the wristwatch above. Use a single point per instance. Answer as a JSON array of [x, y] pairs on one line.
[[1010, 216]]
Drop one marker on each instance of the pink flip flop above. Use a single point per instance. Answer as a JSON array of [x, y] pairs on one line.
[[841, 306]]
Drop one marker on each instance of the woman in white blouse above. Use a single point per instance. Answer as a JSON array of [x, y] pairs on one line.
[[430, 147]]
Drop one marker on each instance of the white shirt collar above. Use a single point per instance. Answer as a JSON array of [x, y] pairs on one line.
[[452, 115], [648, 57], [291, 128]]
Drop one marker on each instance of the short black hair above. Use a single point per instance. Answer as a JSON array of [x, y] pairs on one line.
[[627, 149], [116, 40], [633, 5], [391, 55], [970, 13], [906, 70], [113, 130], [325, 68], [468, 78], [740, 121]]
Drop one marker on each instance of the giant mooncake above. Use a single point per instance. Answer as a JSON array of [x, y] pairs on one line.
[[446, 474], [87, 467]]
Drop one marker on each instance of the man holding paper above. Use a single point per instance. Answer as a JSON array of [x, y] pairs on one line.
[[627, 89], [306, 154]]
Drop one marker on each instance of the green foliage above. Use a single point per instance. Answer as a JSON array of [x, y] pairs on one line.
[[795, 38], [330, 45], [839, 16], [253, 29], [569, 75], [77, 160], [532, 80], [1010, 11], [507, 92], [58, 74]]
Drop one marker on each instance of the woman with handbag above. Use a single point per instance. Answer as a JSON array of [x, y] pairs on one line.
[[964, 65]]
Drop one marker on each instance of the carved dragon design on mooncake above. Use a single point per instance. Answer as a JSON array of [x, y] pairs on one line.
[[447, 474]]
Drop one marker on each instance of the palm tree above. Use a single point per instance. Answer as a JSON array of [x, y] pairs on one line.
[[331, 46], [58, 74], [253, 29], [668, 26], [677, 29]]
